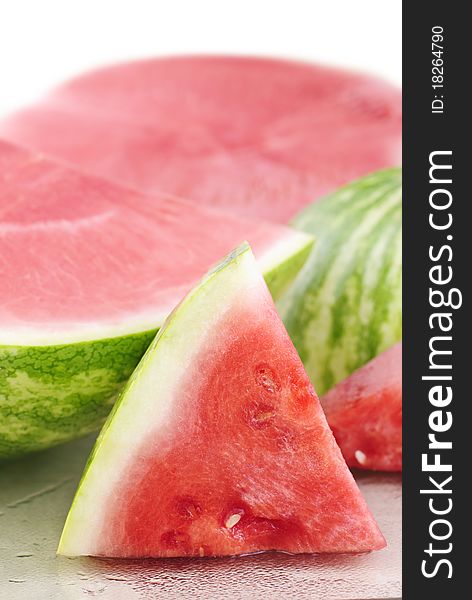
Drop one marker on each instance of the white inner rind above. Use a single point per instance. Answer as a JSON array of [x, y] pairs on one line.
[[148, 403], [43, 335]]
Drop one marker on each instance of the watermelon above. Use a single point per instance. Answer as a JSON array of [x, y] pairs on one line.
[[257, 137], [345, 305], [365, 413], [89, 272], [218, 444]]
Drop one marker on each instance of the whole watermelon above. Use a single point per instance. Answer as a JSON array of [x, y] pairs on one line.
[[344, 307]]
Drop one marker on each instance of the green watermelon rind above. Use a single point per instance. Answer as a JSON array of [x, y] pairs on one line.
[[105, 449], [344, 307], [51, 394]]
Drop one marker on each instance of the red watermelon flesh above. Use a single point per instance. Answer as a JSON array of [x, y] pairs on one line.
[[83, 258], [257, 137], [365, 413], [218, 445]]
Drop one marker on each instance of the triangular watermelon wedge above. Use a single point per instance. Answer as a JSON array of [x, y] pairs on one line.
[[218, 444]]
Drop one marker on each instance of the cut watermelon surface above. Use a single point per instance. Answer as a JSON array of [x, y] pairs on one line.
[[89, 272], [218, 444], [257, 137], [365, 413]]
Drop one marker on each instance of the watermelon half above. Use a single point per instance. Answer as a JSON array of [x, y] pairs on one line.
[[345, 306], [89, 271], [257, 137], [364, 412], [218, 444]]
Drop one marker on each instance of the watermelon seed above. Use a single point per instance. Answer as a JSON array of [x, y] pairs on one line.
[[233, 520], [360, 457]]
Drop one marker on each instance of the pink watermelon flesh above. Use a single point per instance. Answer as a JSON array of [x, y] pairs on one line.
[[245, 462], [257, 137], [365, 413], [78, 250]]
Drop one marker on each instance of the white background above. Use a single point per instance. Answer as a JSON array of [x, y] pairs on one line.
[[43, 42]]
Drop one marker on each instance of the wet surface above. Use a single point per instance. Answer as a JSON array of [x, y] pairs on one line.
[[35, 494]]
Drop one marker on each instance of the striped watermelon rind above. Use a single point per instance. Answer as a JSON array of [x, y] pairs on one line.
[[344, 307], [50, 394]]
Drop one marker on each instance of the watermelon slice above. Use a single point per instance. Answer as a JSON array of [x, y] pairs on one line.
[[365, 413], [89, 272], [218, 444], [257, 137], [345, 306]]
